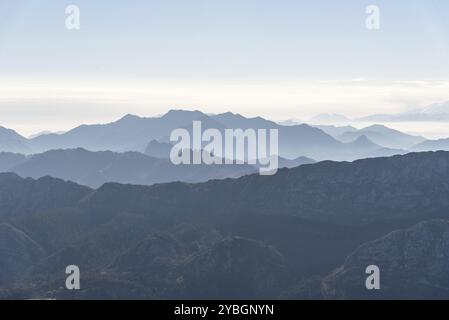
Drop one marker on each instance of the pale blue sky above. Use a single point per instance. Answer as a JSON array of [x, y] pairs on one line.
[[279, 58]]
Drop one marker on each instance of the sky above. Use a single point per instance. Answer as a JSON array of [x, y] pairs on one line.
[[278, 59]]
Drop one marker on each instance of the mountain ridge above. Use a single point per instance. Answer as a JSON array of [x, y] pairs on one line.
[[134, 133], [314, 216]]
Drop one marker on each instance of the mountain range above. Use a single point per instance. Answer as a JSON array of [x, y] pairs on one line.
[[108, 199], [304, 231], [379, 134], [96, 168], [133, 133], [432, 145], [13, 142], [434, 112]]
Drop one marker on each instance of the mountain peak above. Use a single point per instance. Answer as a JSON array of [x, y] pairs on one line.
[[376, 126], [436, 109], [379, 128], [129, 116], [6, 131], [231, 114], [11, 141], [181, 112], [362, 138], [364, 141]]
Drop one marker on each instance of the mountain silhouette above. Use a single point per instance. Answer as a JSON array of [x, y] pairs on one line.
[[11, 141], [134, 133], [336, 131], [169, 240], [433, 112], [383, 136], [96, 168], [158, 149], [432, 145]]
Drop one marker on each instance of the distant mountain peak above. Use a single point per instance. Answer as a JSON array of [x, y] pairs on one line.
[[377, 126], [181, 112], [436, 108], [4, 130], [130, 116], [12, 141], [290, 122], [381, 129], [229, 113], [364, 141], [363, 138], [433, 112]]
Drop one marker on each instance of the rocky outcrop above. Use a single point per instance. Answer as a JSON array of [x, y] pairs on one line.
[[413, 263]]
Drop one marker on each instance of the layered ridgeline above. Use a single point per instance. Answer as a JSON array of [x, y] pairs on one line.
[[379, 134], [96, 168], [433, 112], [287, 235], [139, 134], [11, 141], [133, 133]]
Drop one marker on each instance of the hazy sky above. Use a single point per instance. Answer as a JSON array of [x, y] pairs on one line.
[[279, 59]]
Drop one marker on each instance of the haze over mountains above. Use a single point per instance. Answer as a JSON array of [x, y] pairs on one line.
[[133, 133], [432, 145], [94, 93], [433, 112], [13, 142], [140, 227], [436, 112], [96, 168], [383, 136], [136, 150], [287, 235]]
